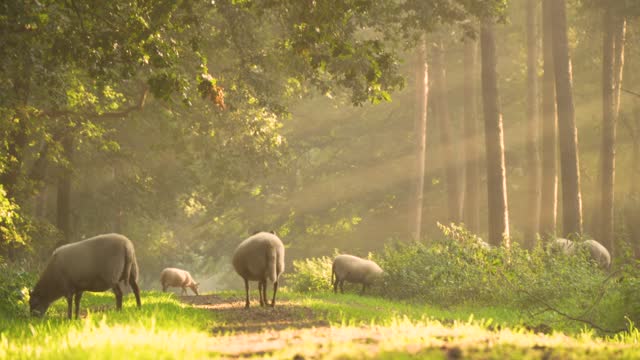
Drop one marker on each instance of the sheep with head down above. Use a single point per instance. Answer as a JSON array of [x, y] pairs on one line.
[[260, 258], [173, 277], [597, 251], [355, 270], [96, 264]]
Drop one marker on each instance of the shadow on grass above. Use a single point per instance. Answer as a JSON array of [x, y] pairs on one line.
[[233, 317]]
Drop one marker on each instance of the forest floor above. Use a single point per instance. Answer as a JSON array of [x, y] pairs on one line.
[[299, 330], [301, 326]]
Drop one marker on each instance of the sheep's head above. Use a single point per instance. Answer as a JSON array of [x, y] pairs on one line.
[[194, 287], [37, 306]]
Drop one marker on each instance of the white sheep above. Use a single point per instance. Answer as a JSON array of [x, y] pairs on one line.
[[173, 277], [596, 250], [96, 264], [355, 270], [259, 258]]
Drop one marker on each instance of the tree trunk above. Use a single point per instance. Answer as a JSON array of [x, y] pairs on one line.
[[64, 192], [422, 92], [549, 193], [568, 133], [494, 141], [451, 163], [471, 140], [612, 67], [533, 158]]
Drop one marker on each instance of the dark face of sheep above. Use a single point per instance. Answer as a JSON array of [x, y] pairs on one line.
[[37, 306]]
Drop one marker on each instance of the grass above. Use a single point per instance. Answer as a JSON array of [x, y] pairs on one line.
[[360, 327]]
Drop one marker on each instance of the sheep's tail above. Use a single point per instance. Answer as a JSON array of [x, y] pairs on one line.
[[272, 257], [129, 265], [333, 272]]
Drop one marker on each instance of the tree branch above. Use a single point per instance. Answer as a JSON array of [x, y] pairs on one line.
[[107, 115], [631, 92]]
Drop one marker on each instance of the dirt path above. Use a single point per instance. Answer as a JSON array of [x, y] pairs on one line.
[[256, 319], [296, 332]]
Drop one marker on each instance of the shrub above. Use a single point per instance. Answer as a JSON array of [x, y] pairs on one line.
[[313, 274], [14, 283], [457, 269]]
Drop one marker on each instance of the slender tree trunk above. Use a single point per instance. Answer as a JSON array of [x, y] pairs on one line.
[[533, 158], [612, 67], [451, 163], [422, 92], [568, 133], [549, 193], [64, 192], [473, 148], [494, 141]]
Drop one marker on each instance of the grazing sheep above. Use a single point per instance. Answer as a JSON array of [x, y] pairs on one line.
[[259, 258], [353, 269], [178, 278], [95, 264], [597, 251]]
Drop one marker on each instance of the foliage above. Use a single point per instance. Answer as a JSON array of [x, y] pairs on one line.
[[310, 274], [13, 290], [457, 270]]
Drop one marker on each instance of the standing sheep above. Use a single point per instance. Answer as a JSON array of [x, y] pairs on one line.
[[95, 264], [178, 278], [259, 258], [596, 250], [353, 269]]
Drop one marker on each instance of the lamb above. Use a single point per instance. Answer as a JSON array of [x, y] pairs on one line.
[[259, 258], [596, 250], [355, 270], [172, 277], [95, 264]]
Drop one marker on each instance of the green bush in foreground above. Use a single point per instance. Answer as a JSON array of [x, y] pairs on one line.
[[313, 274], [457, 269], [13, 290]]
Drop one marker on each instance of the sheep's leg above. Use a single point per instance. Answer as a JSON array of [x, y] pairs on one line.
[[184, 291], [78, 297], [164, 288], [275, 289], [118, 292], [69, 305], [364, 286], [335, 286], [262, 291], [246, 290], [342, 286], [136, 290]]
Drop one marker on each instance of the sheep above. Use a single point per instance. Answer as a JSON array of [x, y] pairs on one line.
[[354, 269], [95, 264], [259, 258], [172, 277], [597, 251]]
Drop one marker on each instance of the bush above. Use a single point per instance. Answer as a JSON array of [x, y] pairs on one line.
[[14, 283], [458, 269], [313, 274]]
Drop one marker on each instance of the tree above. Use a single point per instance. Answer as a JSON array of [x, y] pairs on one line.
[[472, 145], [422, 92], [549, 193], [451, 162], [533, 159], [568, 133], [612, 66], [494, 140]]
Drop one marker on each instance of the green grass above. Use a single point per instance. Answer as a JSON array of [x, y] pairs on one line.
[[361, 327]]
